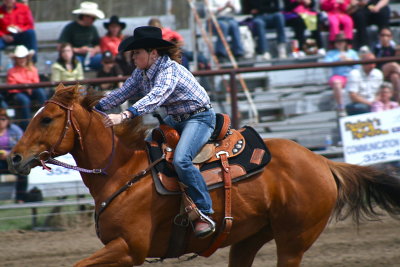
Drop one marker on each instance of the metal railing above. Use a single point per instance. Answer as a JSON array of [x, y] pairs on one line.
[[231, 72]]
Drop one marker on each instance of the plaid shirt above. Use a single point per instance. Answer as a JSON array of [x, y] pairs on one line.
[[166, 83]]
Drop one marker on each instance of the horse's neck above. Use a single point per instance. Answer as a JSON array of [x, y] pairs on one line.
[[97, 153]]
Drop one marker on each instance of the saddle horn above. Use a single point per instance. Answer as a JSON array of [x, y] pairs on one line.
[[159, 118]]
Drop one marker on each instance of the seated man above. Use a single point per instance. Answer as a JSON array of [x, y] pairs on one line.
[[362, 86], [224, 10], [83, 35], [16, 26], [368, 12], [267, 15]]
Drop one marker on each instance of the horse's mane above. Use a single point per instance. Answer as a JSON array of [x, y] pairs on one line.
[[131, 133]]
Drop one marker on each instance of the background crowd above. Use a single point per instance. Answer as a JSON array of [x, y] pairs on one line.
[[357, 89]]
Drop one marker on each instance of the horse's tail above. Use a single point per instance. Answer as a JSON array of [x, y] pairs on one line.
[[361, 189]]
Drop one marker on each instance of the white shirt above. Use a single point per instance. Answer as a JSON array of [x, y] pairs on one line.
[[364, 85], [227, 12]]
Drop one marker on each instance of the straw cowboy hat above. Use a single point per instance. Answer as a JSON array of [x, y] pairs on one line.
[[89, 8], [21, 52], [144, 37], [114, 20]]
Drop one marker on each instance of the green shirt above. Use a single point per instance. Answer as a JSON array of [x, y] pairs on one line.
[[78, 35], [59, 73]]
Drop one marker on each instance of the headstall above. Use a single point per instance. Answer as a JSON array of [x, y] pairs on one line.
[[46, 156]]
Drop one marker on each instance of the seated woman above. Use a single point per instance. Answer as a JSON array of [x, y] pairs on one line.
[[9, 136], [24, 72], [67, 67], [111, 40], [338, 78], [300, 15], [386, 47], [338, 18], [384, 98]]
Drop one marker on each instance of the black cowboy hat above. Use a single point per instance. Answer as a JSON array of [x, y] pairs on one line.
[[114, 19], [144, 37]]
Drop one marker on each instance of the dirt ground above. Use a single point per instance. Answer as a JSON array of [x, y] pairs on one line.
[[374, 244]]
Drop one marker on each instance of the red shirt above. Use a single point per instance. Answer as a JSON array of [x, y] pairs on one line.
[[110, 43], [171, 36], [18, 75], [20, 16]]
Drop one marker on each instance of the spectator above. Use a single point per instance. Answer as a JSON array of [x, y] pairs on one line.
[[9, 136], [368, 12], [383, 101], [224, 10], [338, 79], [300, 15], [386, 47], [67, 67], [338, 18], [83, 36], [174, 37], [109, 69], [114, 36], [362, 85], [266, 14], [24, 72], [17, 26], [167, 33]]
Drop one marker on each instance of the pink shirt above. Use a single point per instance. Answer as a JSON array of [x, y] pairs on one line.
[[332, 6], [380, 106]]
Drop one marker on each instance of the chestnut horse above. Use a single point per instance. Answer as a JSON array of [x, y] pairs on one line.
[[290, 201]]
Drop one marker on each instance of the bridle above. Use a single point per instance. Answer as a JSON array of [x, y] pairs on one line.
[[47, 155]]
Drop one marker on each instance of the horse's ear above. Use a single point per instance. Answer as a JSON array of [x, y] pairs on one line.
[[60, 87], [66, 95]]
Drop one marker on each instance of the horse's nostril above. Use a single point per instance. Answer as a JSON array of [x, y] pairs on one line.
[[16, 158]]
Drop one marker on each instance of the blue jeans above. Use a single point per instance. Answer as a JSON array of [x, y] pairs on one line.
[[267, 21], [357, 108], [26, 38], [194, 132], [229, 27], [23, 101]]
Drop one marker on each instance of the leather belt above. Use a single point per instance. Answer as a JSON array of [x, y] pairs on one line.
[[185, 116]]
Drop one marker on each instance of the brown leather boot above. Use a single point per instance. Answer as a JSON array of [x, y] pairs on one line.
[[203, 227]]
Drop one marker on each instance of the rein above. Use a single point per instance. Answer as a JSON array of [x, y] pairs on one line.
[[46, 156], [136, 178]]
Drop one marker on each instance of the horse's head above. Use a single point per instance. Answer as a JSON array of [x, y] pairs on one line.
[[51, 132]]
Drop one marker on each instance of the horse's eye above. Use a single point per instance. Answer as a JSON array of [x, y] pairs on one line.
[[46, 120]]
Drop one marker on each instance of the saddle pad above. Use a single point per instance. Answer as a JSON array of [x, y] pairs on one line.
[[253, 158]]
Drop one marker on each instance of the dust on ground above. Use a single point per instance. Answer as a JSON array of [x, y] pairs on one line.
[[375, 243]]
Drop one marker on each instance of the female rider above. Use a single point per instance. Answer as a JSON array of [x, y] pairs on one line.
[[161, 81]]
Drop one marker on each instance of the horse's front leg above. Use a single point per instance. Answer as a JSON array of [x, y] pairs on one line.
[[114, 253]]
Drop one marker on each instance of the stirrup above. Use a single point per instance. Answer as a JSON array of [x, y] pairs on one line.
[[206, 221]]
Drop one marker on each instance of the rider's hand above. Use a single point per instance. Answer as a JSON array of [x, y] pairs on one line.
[[113, 119]]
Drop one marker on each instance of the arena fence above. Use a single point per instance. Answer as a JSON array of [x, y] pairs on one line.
[[231, 72]]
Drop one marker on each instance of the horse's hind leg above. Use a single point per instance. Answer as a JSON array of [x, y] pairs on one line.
[[242, 254], [292, 244], [115, 253]]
